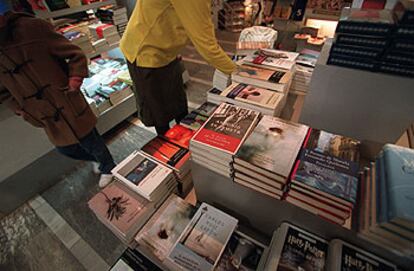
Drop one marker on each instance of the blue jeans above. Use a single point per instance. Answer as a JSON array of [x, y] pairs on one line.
[[91, 148]]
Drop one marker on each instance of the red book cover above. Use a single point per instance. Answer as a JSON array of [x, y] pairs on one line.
[[180, 135], [227, 128], [167, 152]]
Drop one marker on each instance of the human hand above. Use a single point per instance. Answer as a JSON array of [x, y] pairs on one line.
[[75, 83]]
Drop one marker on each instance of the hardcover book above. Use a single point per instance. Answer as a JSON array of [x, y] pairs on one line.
[[203, 241], [296, 249], [242, 253], [344, 256], [165, 226], [226, 128], [327, 174], [273, 145], [356, 51], [334, 145]]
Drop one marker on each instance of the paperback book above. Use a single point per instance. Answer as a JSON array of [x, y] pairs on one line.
[[132, 260], [179, 135], [272, 147], [193, 121], [327, 175], [163, 229], [296, 249], [203, 241], [276, 80], [226, 128], [272, 59]]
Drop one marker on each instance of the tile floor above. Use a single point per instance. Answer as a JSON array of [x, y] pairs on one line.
[[56, 230]]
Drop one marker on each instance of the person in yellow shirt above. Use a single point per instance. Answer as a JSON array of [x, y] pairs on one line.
[[156, 33]]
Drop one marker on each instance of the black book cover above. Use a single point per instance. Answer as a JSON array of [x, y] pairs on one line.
[[403, 70], [276, 76], [134, 260], [405, 31], [399, 57], [366, 22], [353, 260], [302, 252], [356, 51], [363, 41], [352, 62], [402, 45]]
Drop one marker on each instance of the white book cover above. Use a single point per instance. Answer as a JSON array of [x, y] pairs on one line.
[[203, 241], [272, 59], [142, 174]]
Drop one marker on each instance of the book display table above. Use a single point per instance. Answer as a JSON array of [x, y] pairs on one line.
[[360, 104], [265, 214]]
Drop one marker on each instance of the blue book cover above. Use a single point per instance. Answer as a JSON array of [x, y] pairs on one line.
[[328, 174], [399, 171], [381, 190]]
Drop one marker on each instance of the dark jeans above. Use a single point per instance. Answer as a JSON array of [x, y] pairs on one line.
[[91, 148]]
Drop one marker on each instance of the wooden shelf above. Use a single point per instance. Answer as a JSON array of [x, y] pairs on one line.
[[68, 11]]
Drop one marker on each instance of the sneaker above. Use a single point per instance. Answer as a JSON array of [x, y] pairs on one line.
[[105, 180], [95, 168]]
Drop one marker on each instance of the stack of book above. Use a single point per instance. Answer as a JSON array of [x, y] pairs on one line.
[[221, 136], [268, 155], [164, 228], [221, 80], [105, 31], [271, 59], [376, 40], [196, 118], [265, 101], [132, 259], [173, 153], [305, 64], [123, 211], [80, 39], [325, 177], [386, 214], [293, 248], [100, 45], [276, 80], [203, 241], [344, 256], [116, 15], [144, 175]]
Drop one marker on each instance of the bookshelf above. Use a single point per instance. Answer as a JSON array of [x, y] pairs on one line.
[[265, 214], [69, 11]]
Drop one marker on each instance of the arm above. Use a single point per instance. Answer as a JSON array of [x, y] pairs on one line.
[[195, 15], [63, 49]]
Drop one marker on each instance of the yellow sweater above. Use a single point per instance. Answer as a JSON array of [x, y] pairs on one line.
[[159, 29]]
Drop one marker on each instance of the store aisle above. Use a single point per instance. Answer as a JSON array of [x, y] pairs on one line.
[[56, 230]]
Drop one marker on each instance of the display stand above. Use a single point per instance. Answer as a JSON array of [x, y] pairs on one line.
[[360, 104], [265, 214]]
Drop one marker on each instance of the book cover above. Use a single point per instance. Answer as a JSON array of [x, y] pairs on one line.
[[193, 121], [204, 240], [227, 128], [206, 109], [132, 260], [260, 74], [273, 145], [346, 257], [165, 151], [117, 206], [399, 171], [328, 174], [180, 135], [272, 59], [241, 253], [301, 250], [334, 145], [258, 95], [165, 226], [141, 171]]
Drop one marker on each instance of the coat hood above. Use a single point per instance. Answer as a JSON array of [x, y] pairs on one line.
[[10, 18]]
